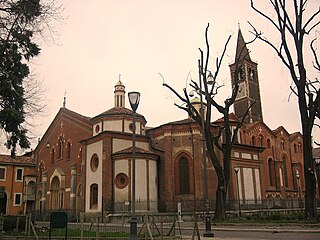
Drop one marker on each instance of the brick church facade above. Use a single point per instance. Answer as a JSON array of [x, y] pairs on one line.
[[85, 163]]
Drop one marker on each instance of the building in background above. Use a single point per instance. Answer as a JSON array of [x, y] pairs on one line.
[[17, 184]]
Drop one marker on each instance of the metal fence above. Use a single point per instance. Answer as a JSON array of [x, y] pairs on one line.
[[122, 210], [199, 205]]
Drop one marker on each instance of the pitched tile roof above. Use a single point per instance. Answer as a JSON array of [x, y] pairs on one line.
[[20, 160]]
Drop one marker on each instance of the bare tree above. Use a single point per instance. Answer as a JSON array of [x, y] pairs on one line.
[[290, 23], [215, 147]]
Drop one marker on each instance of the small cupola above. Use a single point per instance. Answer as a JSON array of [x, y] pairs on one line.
[[196, 103], [119, 94]]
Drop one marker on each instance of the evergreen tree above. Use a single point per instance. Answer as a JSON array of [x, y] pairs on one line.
[[20, 20]]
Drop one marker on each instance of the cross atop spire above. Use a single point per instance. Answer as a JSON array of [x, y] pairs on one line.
[[242, 51]]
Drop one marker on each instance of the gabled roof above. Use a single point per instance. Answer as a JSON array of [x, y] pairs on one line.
[[232, 118], [64, 112], [19, 160], [242, 51], [279, 129], [293, 136], [261, 123]]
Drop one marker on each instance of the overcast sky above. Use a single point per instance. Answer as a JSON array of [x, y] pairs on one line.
[[101, 39]]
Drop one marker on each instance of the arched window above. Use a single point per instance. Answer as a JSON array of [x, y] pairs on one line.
[[68, 150], [271, 171], [60, 156], [268, 143], [282, 145], [94, 196], [184, 179], [285, 174], [253, 140], [295, 148], [260, 139]]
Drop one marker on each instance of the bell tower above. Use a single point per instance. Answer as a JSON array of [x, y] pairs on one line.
[[249, 90], [119, 94]]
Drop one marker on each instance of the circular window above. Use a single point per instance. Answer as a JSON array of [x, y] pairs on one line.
[[94, 163], [97, 128], [122, 180]]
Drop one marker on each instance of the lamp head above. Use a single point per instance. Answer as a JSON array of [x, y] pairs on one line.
[[210, 79], [236, 170], [134, 99]]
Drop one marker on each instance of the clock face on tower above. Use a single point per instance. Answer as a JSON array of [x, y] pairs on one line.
[[242, 90]]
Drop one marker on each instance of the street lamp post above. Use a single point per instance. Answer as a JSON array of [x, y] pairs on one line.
[[299, 188], [236, 170], [134, 98]]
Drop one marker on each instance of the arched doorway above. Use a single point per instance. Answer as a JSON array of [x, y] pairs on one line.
[[55, 189]]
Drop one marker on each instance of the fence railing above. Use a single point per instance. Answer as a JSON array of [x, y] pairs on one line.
[[121, 211]]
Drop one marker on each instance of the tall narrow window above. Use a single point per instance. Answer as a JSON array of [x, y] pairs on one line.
[[253, 140], [68, 150], [268, 143], [60, 149], [295, 148], [94, 196], [184, 180], [19, 174], [17, 199], [2, 173], [271, 171], [260, 139]]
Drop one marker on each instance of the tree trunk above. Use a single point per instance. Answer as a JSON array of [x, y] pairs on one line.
[[310, 180], [220, 211]]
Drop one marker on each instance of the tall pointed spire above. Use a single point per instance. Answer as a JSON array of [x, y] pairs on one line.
[[242, 51]]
